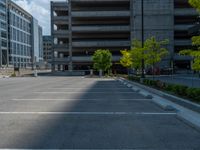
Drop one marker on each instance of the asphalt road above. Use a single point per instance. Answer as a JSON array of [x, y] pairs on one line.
[[83, 113]]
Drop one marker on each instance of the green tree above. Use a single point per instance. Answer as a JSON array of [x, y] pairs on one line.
[[102, 60], [133, 58], [138, 53], [152, 53], [194, 53], [155, 51], [126, 59], [195, 4]]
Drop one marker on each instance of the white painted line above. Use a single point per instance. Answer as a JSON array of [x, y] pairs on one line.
[[135, 100], [84, 113], [86, 92], [66, 113], [16, 99], [54, 99], [111, 88], [63, 149], [149, 113]]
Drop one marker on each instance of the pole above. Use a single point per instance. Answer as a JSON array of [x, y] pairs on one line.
[[142, 32]]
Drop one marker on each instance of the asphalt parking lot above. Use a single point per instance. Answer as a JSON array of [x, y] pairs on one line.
[[85, 113]]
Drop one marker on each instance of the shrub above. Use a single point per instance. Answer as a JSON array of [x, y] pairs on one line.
[[161, 84], [134, 78], [193, 93], [146, 81], [190, 92], [13, 75], [169, 87], [154, 83], [122, 75], [181, 90]]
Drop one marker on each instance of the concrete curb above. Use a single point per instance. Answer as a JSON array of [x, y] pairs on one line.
[[183, 102], [184, 113], [4, 77]]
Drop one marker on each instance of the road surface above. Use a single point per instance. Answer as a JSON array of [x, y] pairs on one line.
[[84, 113]]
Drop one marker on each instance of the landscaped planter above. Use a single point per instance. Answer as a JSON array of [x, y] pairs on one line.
[[192, 94]]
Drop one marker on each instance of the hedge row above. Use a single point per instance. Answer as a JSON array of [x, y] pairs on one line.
[[134, 78], [181, 90]]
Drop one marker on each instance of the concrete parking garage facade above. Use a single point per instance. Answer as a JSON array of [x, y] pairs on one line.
[[79, 27]]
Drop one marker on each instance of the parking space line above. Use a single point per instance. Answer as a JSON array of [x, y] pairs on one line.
[[68, 149], [83, 92], [135, 100], [87, 88], [54, 99], [16, 99], [84, 113], [150, 113], [65, 113]]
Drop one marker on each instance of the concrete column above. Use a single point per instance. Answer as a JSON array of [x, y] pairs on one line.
[[131, 20], [52, 41], [0, 55], [70, 65]]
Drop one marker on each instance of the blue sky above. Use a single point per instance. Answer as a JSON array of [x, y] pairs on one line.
[[40, 9]]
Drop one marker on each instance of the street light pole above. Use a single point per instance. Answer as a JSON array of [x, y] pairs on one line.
[[142, 32]]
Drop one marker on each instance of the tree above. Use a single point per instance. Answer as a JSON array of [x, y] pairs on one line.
[[126, 59], [102, 60], [138, 53], [152, 53], [133, 58], [194, 53], [155, 51], [195, 4]]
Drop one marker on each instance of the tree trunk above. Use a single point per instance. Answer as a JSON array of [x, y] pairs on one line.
[[153, 73], [100, 73]]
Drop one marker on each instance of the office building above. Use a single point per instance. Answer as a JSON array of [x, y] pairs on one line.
[[3, 33], [79, 27], [20, 34], [21, 40], [37, 43], [47, 49]]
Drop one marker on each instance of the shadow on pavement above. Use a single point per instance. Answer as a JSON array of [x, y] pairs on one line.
[[104, 131]]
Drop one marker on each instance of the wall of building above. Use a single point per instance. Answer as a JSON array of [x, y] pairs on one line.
[[35, 38], [19, 36], [113, 24], [60, 32], [17, 45], [3, 34], [184, 18], [88, 26], [40, 44], [47, 49], [158, 22], [37, 49], [99, 25]]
